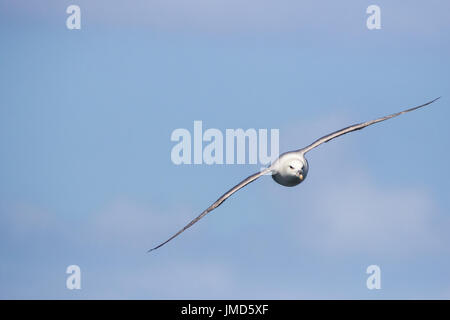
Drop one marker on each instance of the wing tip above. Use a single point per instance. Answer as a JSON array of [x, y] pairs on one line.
[[435, 99], [153, 249]]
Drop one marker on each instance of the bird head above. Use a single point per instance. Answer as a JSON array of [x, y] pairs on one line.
[[296, 169]]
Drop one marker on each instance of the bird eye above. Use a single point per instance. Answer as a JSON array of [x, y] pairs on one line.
[[291, 167]]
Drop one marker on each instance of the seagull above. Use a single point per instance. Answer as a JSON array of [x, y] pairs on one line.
[[291, 168]]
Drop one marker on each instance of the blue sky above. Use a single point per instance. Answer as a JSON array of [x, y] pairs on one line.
[[86, 176]]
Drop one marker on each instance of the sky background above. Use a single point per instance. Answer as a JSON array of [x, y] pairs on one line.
[[86, 176]]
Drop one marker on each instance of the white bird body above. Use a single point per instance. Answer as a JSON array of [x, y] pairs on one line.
[[291, 168]]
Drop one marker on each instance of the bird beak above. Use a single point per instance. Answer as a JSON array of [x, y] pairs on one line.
[[301, 177]]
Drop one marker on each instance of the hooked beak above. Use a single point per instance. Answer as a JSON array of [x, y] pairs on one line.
[[300, 175]]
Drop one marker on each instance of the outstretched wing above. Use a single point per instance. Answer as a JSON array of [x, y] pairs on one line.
[[218, 202], [358, 126]]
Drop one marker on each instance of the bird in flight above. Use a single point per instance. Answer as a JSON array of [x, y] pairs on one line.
[[291, 168]]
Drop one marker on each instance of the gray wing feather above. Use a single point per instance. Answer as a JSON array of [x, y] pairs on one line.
[[218, 202], [358, 126]]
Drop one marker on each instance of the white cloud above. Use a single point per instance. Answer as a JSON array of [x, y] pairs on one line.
[[110, 247], [347, 208], [357, 215], [128, 224]]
